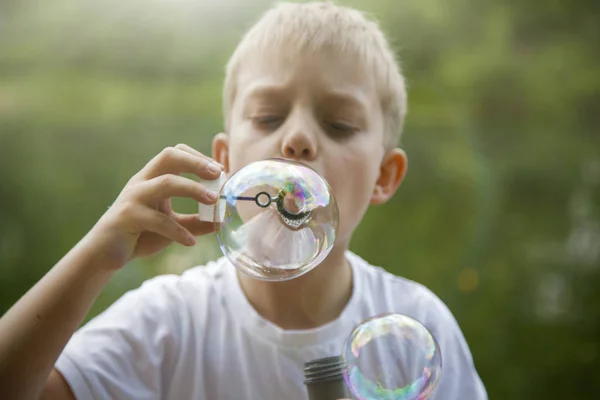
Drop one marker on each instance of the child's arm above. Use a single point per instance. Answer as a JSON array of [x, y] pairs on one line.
[[140, 222]]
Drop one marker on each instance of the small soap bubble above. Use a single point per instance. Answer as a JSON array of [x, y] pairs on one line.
[[278, 219], [392, 357]]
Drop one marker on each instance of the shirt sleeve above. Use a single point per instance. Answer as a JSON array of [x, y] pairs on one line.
[[122, 353], [459, 378]]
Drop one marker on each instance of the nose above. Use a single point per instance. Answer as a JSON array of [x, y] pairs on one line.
[[300, 142]]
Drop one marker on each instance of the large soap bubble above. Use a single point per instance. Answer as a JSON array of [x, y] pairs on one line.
[[392, 357], [276, 219]]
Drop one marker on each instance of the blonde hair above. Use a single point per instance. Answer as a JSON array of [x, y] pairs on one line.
[[319, 25]]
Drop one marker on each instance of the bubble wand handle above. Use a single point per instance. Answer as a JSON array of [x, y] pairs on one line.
[[324, 379]]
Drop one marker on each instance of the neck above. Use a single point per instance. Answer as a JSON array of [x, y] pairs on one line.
[[306, 302]]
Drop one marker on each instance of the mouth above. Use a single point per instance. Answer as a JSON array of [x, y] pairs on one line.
[[296, 162], [289, 160]]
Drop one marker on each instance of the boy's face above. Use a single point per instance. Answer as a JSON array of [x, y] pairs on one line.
[[319, 109]]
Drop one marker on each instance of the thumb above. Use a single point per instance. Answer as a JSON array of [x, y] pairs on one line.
[[192, 223]]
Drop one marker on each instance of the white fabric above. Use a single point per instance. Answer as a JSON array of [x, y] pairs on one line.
[[265, 238], [196, 336]]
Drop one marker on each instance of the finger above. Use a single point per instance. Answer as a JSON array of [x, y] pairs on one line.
[[176, 161], [164, 225], [191, 150], [192, 223], [161, 188], [165, 207]]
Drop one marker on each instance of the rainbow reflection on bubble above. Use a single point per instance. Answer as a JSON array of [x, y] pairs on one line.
[[304, 183], [279, 220], [392, 357]]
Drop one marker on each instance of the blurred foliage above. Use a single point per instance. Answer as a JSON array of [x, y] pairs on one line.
[[499, 214]]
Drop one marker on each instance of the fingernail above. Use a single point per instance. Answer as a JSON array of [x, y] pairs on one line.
[[214, 168], [211, 195], [191, 240]]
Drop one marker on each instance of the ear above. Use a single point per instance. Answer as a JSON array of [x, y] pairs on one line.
[[391, 173], [220, 150]]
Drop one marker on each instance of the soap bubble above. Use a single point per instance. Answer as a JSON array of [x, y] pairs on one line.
[[279, 219], [392, 357]]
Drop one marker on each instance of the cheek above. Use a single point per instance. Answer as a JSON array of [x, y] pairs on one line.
[[245, 149], [353, 178], [356, 170]]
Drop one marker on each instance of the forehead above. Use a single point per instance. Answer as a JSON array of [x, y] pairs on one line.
[[313, 73]]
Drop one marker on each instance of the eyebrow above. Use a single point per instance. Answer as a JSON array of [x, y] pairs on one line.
[[261, 90], [347, 99], [341, 98]]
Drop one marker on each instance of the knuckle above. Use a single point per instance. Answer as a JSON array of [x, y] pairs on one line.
[[126, 210], [133, 180], [168, 153], [165, 182], [169, 224], [180, 146], [129, 191], [165, 219], [129, 208]]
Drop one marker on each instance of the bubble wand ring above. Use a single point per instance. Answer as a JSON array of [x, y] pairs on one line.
[[290, 218]]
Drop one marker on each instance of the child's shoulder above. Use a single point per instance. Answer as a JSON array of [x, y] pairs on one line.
[[376, 277], [386, 292]]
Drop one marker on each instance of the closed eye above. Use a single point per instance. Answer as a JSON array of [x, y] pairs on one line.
[[270, 122], [340, 129]]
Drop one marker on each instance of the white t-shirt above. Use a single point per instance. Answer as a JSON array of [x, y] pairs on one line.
[[196, 336]]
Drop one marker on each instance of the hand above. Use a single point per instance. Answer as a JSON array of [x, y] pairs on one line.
[[141, 221]]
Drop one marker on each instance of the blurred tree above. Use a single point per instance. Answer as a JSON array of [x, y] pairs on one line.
[[499, 214]]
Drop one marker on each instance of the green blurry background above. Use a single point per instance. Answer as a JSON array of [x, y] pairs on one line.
[[499, 214]]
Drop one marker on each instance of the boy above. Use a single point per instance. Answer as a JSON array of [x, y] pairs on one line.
[[316, 83]]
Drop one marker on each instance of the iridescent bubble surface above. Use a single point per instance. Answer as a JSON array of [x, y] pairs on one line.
[[279, 219], [392, 357]]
